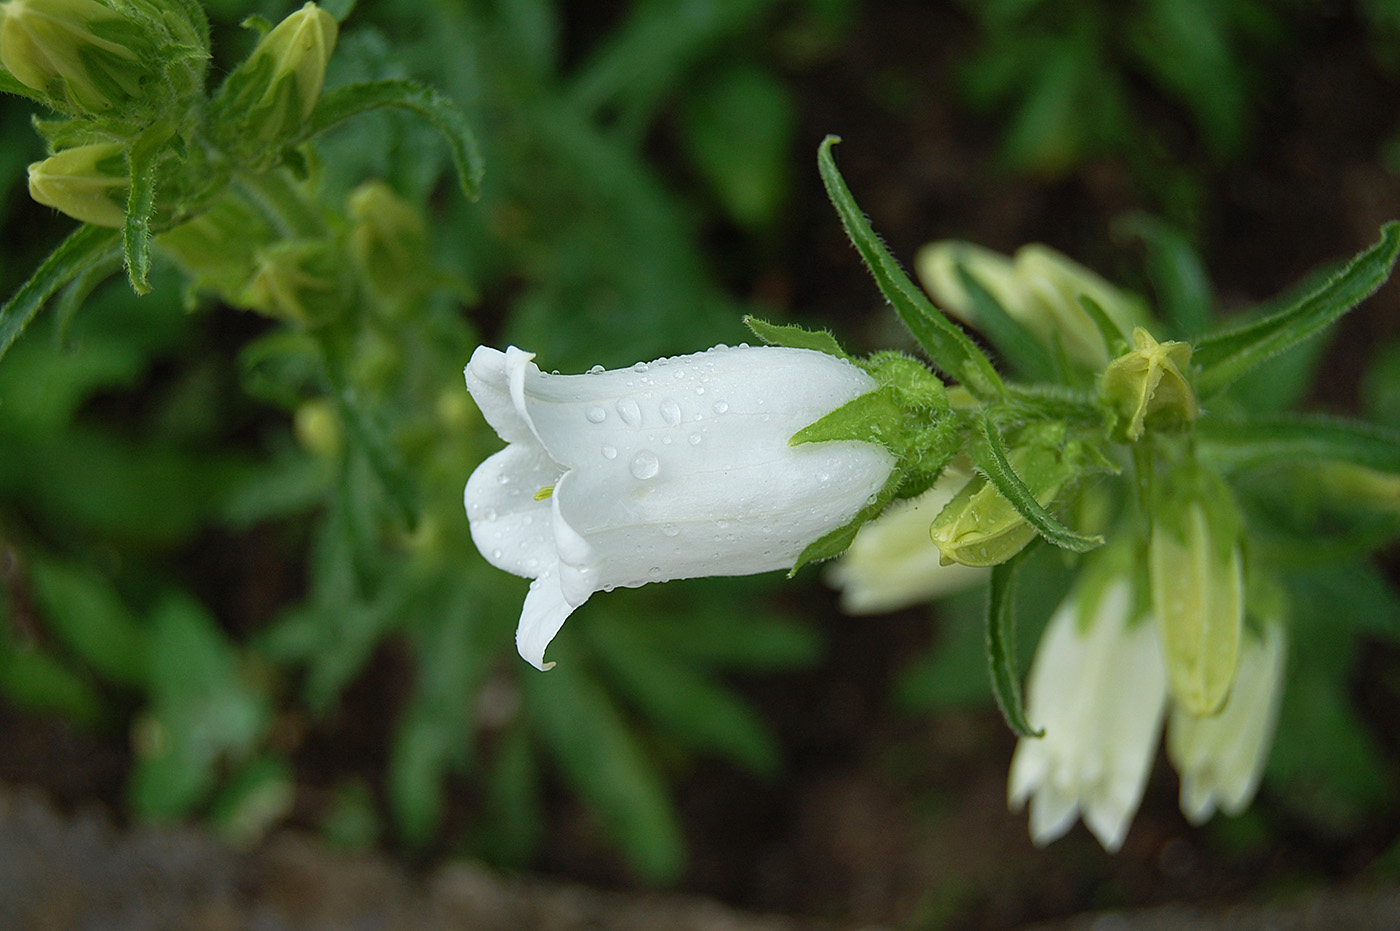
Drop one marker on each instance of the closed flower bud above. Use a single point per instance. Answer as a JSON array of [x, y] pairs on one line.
[[269, 96], [81, 53], [675, 469], [219, 248], [87, 182], [1097, 689], [1039, 289], [1147, 388], [299, 281], [979, 527], [389, 241], [1197, 578], [1221, 758]]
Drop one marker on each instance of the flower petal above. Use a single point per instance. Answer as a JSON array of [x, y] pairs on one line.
[[509, 524], [488, 380], [545, 611]]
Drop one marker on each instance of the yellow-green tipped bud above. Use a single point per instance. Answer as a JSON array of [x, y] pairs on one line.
[[1367, 491], [389, 241], [1197, 578], [270, 95], [979, 527], [81, 53], [299, 281], [318, 429], [88, 183], [1147, 386], [937, 265]]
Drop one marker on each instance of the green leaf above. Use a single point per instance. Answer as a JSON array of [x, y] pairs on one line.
[[795, 337], [342, 103], [1178, 275], [596, 752], [1225, 356], [37, 681], [685, 706], [1298, 438], [989, 455], [85, 611], [1016, 344], [948, 347], [85, 247], [1115, 339], [1001, 645]]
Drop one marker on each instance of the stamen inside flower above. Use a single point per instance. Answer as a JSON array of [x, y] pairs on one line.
[[545, 492]]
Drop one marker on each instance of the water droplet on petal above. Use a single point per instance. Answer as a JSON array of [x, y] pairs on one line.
[[630, 413], [700, 390], [670, 530], [596, 414], [654, 573], [645, 465], [503, 479], [721, 407], [595, 370], [640, 367], [609, 452], [670, 412], [695, 439], [496, 553]]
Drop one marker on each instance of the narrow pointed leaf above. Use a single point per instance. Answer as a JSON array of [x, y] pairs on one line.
[[795, 337], [948, 347], [1114, 338], [86, 247], [1245, 443], [1001, 646], [340, 104], [1017, 345], [989, 455], [873, 417], [140, 204], [1224, 357]]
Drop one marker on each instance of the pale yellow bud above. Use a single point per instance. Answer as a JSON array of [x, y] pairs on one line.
[[88, 183]]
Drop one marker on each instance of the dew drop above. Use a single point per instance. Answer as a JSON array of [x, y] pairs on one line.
[[695, 439], [670, 412], [595, 370], [630, 413], [645, 465], [721, 407], [596, 414], [489, 514], [654, 573], [700, 389], [496, 553], [670, 530], [609, 452], [640, 367], [503, 479]]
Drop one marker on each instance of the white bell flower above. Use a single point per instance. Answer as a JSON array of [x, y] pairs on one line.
[[1098, 688], [673, 469], [1221, 758], [893, 563]]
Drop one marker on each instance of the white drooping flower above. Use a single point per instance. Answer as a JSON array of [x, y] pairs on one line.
[[1099, 690], [673, 469], [1221, 758], [893, 563]]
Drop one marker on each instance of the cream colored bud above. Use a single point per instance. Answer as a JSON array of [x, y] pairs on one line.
[[81, 53], [88, 183]]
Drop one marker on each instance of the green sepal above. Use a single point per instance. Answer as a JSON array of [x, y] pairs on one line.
[[1225, 356], [949, 348], [793, 336], [85, 248], [1297, 439], [989, 456], [1007, 335], [340, 104], [1002, 665], [874, 417]]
